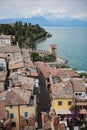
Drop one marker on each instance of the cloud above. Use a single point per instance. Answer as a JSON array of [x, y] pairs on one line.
[[81, 15], [36, 12], [46, 8]]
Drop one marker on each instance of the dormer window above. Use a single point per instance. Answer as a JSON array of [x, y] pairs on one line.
[[8, 55], [31, 102], [80, 94], [76, 94]]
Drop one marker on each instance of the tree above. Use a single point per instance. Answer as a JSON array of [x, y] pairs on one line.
[[35, 56], [25, 34], [47, 58]]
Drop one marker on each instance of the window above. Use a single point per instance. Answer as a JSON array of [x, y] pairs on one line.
[[69, 103], [76, 94], [80, 94], [48, 79], [60, 103], [11, 107], [26, 114], [8, 55], [31, 103], [11, 115], [13, 124]]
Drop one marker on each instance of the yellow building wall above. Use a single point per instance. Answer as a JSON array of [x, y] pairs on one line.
[[64, 105], [19, 111], [14, 110], [25, 108]]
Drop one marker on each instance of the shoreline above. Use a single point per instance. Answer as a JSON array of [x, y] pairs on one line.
[[40, 40], [81, 71], [77, 56]]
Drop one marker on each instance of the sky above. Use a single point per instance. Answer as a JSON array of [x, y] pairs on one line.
[[47, 8]]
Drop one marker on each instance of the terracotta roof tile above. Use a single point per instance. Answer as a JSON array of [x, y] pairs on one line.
[[16, 62], [2, 109], [9, 48], [2, 104], [64, 73], [47, 70], [2, 55], [16, 65], [5, 36], [78, 85], [31, 72], [3, 75], [22, 80], [43, 68], [29, 65], [17, 96], [62, 90], [27, 86], [85, 80]]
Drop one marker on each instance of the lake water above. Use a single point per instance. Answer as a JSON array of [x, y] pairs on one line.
[[72, 44]]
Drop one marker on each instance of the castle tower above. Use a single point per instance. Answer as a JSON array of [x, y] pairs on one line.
[[53, 51]]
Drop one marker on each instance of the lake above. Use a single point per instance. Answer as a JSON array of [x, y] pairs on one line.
[[72, 44]]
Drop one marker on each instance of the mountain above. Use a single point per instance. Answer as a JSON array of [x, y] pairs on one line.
[[34, 20], [39, 20], [46, 22], [68, 22]]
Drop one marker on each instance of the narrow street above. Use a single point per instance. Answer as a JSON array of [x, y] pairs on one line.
[[44, 101]]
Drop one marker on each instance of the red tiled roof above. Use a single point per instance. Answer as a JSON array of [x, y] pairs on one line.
[[27, 86], [30, 65], [5, 36], [17, 96], [47, 70], [2, 104], [28, 73], [85, 80], [62, 90], [16, 65], [9, 49], [64, 73], [2, 55], [21, 78], [78, 85], [43, 68], [32, 74], [3, 75], [2, 109], [16, 62]]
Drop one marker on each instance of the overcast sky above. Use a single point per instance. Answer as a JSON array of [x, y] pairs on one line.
[[46, 8]]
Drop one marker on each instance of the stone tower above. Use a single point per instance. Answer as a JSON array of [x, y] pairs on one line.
[[53, 51]]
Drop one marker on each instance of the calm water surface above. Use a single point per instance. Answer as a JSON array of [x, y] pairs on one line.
[[72, 44]]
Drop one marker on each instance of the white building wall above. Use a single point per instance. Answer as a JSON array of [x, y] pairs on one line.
[[5, 41], [3, 63]]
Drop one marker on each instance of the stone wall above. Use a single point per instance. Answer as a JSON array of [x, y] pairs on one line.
[[51, 121], [28, 124]]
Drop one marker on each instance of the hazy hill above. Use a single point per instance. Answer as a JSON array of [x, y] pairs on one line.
[[46, 22]]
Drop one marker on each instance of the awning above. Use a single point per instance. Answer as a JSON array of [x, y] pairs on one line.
[[81, 103], [82, 111], [63, 112]]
